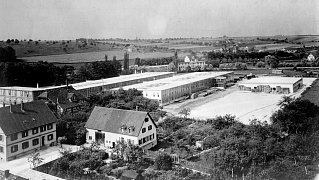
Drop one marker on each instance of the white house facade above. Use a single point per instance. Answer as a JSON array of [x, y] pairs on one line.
[[108, 126], [25, 128]]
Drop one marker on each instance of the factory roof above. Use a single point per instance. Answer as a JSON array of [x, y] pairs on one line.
[[20, 88], [272, 80], [175, 81], [119, 79]]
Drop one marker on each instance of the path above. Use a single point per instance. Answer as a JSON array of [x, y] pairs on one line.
[[21, 166]]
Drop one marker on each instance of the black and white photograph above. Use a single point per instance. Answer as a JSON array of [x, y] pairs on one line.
[[159, 90]]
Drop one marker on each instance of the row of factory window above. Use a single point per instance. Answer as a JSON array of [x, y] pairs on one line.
[[10, 92], [25, 145], [146, 139], [43, 128]]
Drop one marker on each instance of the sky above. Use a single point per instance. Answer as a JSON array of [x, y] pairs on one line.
[[71, 19]]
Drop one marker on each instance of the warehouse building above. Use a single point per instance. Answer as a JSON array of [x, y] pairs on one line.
[[17, 94], [174, 88], [96, 86], [272, 84]]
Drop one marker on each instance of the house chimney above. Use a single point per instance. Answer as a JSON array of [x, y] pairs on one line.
[[22, 106], [136, 108], [6, 174], [37, 85], [10, 107]]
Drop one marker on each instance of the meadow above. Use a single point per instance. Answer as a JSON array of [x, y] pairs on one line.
[[96, 56]]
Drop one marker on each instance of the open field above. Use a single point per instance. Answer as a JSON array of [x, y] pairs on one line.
[[244, 105], [97, 56], [44, 48]]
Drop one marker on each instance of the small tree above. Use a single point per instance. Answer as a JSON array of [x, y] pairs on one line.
[[61, 140], [163, 162], [35, 160], [185, 112]]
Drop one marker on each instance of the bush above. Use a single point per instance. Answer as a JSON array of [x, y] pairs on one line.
[[163, 162]]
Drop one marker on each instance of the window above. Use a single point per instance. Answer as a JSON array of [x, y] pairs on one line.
[[14, 148], [50, 126], [128, 141], [1, 138], [90, 137], [149, 127], [143, 130], [25, 145], [140, 141], [122, 139], [14, 137], [35, 130], [24, 133], [35, 142], [50, 137], [146, 119], [1, 149], [42, 128]]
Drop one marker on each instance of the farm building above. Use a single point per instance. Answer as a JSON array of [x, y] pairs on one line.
[[108, 126], [191, 62], [178, 87], [96, 86], [272, 84]]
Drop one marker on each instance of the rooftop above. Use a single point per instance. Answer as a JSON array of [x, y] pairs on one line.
[[112, 120], [113, 80], [175, 81], [21, 88], [34, 114], [271, 80]]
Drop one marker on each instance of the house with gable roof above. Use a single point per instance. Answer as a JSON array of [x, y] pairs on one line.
[[107, 126], [24, 128], [65, 100]]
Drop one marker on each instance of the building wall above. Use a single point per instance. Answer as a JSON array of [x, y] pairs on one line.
[[99, 88], [280, 88], [113, 138], [297, 85], [3, 145], [147, 134], [110, 138], [183, 65], [20, 140], [8, 96], [166, 96]]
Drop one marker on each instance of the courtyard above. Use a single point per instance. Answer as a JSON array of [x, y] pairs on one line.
[[244, 105]]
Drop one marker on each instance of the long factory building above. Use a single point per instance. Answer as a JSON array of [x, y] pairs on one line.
[[96, 86], [171, 89]]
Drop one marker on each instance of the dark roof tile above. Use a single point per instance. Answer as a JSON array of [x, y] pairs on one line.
[[111, 120], [34, 114]]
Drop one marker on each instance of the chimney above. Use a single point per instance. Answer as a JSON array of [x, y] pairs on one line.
[[6, 174], [22, 106], [37, 85], [10, 107], [136, 108]]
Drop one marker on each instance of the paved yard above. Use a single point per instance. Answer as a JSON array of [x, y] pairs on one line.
[[22, 168], [244, 105]]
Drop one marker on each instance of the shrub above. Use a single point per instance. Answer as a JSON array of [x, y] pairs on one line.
[[163, 162]]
